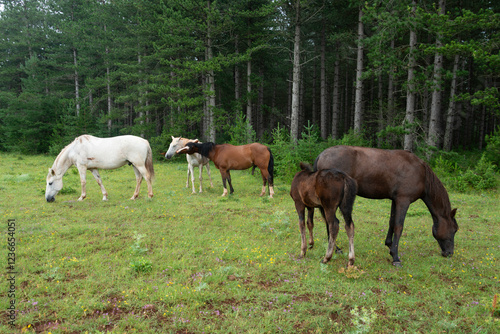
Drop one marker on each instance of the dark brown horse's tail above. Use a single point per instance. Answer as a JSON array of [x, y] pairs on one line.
[[270, 169], [347, 203]]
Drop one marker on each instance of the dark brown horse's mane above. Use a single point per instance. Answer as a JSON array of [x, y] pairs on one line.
[[203, 148], [435, 189]]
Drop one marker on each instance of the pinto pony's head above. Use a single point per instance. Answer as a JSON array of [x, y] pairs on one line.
[[177, 144], [54, 185]]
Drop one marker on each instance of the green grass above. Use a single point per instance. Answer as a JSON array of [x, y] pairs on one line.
[[194, 263]]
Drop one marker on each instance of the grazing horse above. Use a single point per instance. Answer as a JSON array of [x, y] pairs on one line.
[[194, 160], [88, 152], [327, 190], [402, 177], [228, 157]]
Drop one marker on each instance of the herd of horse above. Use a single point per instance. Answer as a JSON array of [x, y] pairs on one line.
[[338, 175]]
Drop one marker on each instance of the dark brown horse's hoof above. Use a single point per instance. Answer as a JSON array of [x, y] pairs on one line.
[[397, 264]]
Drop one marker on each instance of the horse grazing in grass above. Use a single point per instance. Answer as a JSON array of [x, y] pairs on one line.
[[402, 177], [228, 157], [194, 160], [88, 152], [327, 190]]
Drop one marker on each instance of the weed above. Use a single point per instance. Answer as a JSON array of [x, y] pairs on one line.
[[363, 319]]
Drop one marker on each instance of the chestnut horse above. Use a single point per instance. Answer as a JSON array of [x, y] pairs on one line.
[[327, 190], [228, 157], [402, 177]]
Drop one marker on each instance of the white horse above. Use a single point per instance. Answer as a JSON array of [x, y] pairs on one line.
[[89, 152], [194, 160]]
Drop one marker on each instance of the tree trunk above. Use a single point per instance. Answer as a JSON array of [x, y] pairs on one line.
[[324, 124], [249, 97], [450, 117], [335, 102], [294, 126], [211, 83], [77, 84], [237, 88], [409, 138], [433, 137], [358, 102]]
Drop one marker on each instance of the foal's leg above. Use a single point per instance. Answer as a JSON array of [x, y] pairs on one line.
[[97, 177], [349, 228], [310, 225], [333, 226], [82, 170], [300, 208]]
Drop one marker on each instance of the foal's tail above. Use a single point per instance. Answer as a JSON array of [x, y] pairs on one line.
[[347, 203], [270, 169], [149, 164]]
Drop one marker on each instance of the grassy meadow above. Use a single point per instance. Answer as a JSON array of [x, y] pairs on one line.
[[200, 263]]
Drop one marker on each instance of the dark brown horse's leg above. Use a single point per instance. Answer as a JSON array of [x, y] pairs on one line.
[[398, 214], [310, 225]]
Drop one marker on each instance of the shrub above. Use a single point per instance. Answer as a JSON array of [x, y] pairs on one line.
[[492, 151]]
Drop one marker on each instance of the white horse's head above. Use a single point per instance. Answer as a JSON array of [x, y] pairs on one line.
[[54, 185], [176, 144]]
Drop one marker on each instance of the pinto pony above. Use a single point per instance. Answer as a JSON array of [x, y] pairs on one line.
[[228, 157], [89, 152], [194, 160], [327, 190], [402, 177]]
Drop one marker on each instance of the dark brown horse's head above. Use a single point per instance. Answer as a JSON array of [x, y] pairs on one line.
[[190, 148], [444, 232]]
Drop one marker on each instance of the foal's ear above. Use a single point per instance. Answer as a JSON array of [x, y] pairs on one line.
[[196, 141], [453, 213]]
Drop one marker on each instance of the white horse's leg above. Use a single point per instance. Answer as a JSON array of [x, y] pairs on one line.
[[97, 177], [140, 172], [138, 179], [82, 170], [187, 179], [207, 166]]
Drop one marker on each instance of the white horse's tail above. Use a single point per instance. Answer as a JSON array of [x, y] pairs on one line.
[[149, 164]]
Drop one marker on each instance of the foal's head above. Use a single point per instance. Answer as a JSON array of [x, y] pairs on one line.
[[54, 185]]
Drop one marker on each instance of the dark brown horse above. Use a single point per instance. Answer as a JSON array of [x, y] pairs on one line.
[[228, 157], [326, 190], [402, 177]]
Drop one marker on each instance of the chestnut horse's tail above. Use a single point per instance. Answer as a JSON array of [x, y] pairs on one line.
[[347, 203], [270, 169]]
